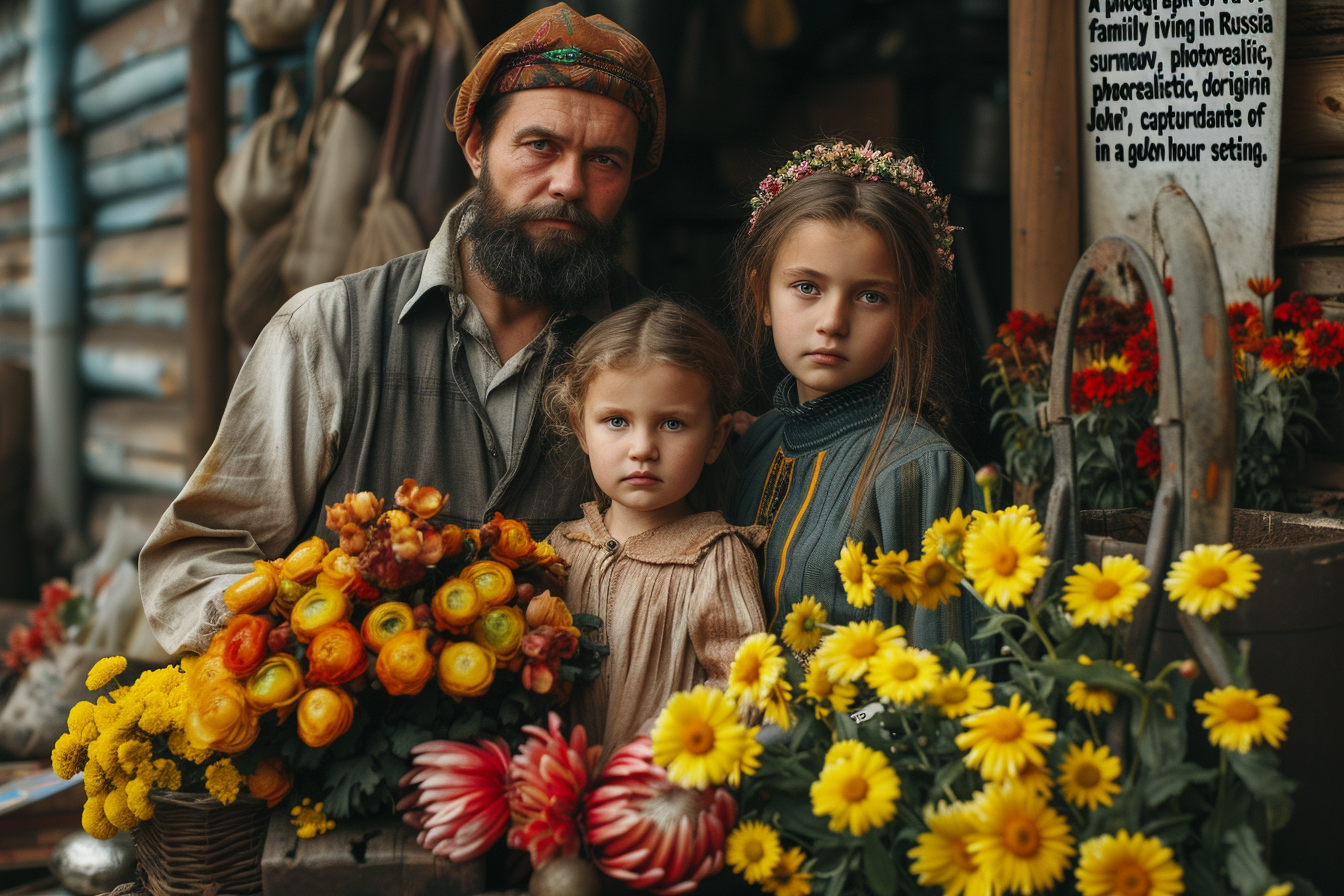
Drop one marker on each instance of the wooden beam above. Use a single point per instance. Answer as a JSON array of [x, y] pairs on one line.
[[1313, 108], [1043, 137], [207, 125]]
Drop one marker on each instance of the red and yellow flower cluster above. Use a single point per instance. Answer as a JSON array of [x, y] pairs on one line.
[[44, 630]]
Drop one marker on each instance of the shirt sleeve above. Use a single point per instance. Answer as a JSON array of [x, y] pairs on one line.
[[727, 605], [256, 486]]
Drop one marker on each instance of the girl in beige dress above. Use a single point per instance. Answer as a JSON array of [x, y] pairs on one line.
[[649, 395]]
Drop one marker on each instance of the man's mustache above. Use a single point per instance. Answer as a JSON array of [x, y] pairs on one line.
[[559, 210]]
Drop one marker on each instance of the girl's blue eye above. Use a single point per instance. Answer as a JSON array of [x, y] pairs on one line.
[[872, 298], [673, 425], [807, 289], [615, 422]]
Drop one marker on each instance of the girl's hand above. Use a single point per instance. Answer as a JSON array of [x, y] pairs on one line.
[[742, 421]]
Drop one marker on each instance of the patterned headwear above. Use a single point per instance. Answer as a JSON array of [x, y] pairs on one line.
[[558, 47]]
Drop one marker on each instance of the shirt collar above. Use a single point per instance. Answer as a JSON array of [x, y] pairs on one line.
[[811, 424], [442, 268]]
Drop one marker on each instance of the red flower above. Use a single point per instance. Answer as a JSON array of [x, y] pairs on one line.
[[1148, 453], [1245, 327], [1025, 327], [246, 644], [1140, 353], [55, 593], [547, 780], [1324, 342], [1300, 310], [460, 802], [1280, 356], [1107, 323], [1263, 286], [1101, 383]]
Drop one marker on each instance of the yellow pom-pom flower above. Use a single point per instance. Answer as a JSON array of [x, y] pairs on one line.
[[856, 574], [941, 858], [895, 574], [131, 753], [1001, 741], [94, 819], [68, 756], [756, 668], [961, 693], [118, 811], [753, 850], [310, 820], [180, 745], [1211, 578], [846, 652], [698, 737], [828, 694], [1128, 864], [1107, 594], [137, 798], [1088, 774], [103, 671], [1022, 844], [222, 781], [857, 789], [1004, 558], [802, 627], [167, 775], [903, 674], [1239, 717], [80, 722], [787, 878]]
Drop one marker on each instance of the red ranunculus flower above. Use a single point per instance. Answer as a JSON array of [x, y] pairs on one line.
[[245, 644], [336, 655]]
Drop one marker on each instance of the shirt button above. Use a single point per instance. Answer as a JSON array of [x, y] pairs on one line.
[[613, 545]]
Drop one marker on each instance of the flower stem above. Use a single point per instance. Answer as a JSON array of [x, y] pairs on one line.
[[1040, 632]]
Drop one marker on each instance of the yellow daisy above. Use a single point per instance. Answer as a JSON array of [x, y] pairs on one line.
[[961, 693], [750, 761], [1000, 741], [758, 665], [1087, 775], [837, 695], [698, 738], [786, 879], [902, 673], [856, 574], [1237, 718], [845, 653], [1021, 843], [944, 538], [1034, 777], [802, 627], [1128, 865], [778, 709], [753, 850], [1211, 578], [1106, 595], [895, 574], [1279, 890], [1092, 700], [103, 671], [939, 581], [941, 857], [858, 789], [1003, 558]]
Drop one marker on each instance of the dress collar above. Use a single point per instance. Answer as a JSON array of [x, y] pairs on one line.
[[811, 424]]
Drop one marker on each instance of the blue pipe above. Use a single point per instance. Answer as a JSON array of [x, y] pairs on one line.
[[55, 212]]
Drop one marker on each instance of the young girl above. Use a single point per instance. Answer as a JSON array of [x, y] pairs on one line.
[[648, 392], [844, 261]]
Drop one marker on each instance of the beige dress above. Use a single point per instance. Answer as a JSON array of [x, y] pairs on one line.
[[677, 601]]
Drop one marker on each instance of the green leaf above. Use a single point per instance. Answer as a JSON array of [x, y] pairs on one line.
[[952, 653], [347, 781], [466, 727], [996, 624], [587, 621], [1200, 879], [1259, 771], [1246, 868], [405, 736], [1107, 675], [878, 867], [1167, 782]]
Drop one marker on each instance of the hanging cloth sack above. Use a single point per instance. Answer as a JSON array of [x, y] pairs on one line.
[[389, 229], [256, 185], [273, 24]]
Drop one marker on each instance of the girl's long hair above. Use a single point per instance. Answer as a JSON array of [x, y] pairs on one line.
[[651, 331], [920, 367]]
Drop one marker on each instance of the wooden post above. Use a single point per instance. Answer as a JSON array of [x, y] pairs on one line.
[[207, 342], [1043, 138]]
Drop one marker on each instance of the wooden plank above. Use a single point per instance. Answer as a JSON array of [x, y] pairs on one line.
[[167, 205], [157, 26], [1313, 107], [1319, 275], [143, 361], [159, 123], [1307, 46], [146, 309], [1311, 211], [1306, 16], [151, 259], [15, 218], [136, 442], [154, 166]]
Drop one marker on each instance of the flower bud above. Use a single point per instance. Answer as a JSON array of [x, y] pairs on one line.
[[547, 642], [431, 547], [385, 622], [1189, 670], [317, 610], [987, 476], [420, 500], [245, 644], [219, 718], [270, 781], [515, 541], [404, 664], [324, 714], [353, 538], [336, 655], [339, 572], [253, 591], [280, 639], [466, 669], [338, 516], [525, 592], [547, 609], [455, 606], [452, 540], [424, 616], [396, 519], [305, 561], [365, 506], [493, 581], [287, 595], [539, 677], [276, 684], [487, 535], [500, 630]]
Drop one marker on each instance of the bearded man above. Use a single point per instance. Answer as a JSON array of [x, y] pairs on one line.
[[432, 366]]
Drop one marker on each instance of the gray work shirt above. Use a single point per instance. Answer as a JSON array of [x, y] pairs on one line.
[[353, 386]]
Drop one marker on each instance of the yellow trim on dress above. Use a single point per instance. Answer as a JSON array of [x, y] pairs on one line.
[[784, 552]]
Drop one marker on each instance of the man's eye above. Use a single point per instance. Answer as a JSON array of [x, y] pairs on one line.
[[540, 145], [604, 160]]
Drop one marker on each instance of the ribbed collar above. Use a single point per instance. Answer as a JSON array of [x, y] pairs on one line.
[[809, 425]]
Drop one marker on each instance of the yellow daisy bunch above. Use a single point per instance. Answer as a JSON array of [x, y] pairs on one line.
[[844, 655], [941, 857], [1095, 699], [827, 694], [777, 706], [1004, 554], [803, 627], [787, 878], [895, 574], [1128, 863], [749, 763], [1211, 578], [1088, 774], [856, 574], [1237, 718], [945, 537], [961, 693], [939, 580], [903, 674], [1107, 594], [857, 788]]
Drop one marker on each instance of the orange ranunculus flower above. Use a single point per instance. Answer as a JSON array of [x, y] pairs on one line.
[[324, 715], [452, 540], [406, 544], [466, 669], [353, 538], [338, 515], [543, 554], [305, 561], [254, 590], [405, 664], [365, 506], [270, 782], [515, 541], [385, 622], [547, 609], [431, 546], [245, 644], [317, 610], [500, 630], [339, 572], [420, 500], [276, 684], [493, 580], [336, 655], [219, 718], [209, 667], [455, 606]]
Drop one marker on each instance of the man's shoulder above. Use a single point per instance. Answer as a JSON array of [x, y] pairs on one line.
[[374, 291]]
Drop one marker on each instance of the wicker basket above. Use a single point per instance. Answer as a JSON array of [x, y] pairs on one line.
[[194, 841]]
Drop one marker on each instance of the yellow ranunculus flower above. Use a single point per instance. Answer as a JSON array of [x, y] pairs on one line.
[[456, 605], [305, 561], [493, 580], [221, 719], [316, 610], [253, 591], [466, 669], [500, 630], [324, 714], [276, 684], [385, 622], [404, 664]]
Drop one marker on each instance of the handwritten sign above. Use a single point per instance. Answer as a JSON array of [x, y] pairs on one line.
[[1187, 92]]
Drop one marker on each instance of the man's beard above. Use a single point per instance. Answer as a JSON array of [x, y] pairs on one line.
[[563, 270]]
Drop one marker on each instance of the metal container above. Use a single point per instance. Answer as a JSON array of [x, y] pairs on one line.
[[87, 865]]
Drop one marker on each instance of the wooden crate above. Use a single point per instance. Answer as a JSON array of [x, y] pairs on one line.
[[367, 856]]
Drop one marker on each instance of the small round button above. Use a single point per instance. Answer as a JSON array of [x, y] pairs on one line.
[[613, 545]]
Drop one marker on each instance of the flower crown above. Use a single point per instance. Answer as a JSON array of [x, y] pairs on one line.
[[862, 163]]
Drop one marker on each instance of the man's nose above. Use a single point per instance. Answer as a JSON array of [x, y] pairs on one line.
[[567, 181]]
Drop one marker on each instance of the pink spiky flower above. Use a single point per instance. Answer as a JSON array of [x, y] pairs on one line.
[[546, 783], [650, 834], [460, 803]]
